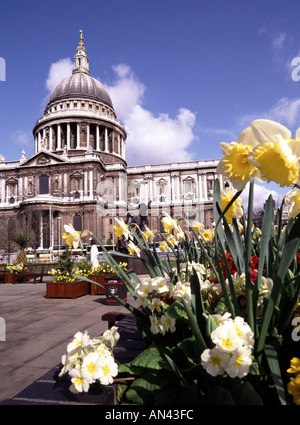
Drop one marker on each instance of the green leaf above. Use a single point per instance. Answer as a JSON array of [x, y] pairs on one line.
[[150, 358], [210, 325], [274, 366], [267, 229], [145, 388], [220, 396], [181, 378], [201, 345], [188, 347], [244, 394], [177, 311], [291, 247]]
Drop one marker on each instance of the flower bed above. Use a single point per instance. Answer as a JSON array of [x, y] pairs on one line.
[[67, 289], [221, 322]]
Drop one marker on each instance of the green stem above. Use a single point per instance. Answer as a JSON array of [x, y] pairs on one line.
[[249, 285]]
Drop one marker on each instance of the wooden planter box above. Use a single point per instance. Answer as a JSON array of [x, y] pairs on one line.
[[96, 289], [9, 278], [66, 289]]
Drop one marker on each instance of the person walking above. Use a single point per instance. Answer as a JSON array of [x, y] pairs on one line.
[[94, 255]]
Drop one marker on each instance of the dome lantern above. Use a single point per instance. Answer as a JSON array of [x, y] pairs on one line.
[[81, 60]]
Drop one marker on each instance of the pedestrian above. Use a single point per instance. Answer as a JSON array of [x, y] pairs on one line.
[[94, 255]]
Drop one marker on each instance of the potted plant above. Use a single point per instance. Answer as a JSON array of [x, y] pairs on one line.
[[63, 283]]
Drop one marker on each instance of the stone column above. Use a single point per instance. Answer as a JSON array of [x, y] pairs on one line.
[[41, 229], [39, 142], [105, 140], [58, 137], [68, 136], [97, 138], [50, 138], [88, 136], [91, 183], [78, 136]]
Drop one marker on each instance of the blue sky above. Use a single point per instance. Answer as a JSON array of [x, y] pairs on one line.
[[184, 75]]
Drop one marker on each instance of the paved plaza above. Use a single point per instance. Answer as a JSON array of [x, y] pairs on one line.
[[37, 331]]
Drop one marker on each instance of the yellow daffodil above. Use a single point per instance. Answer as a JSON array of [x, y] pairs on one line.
[[264, 150], [235, 210], [133, 249], [235, 164], [277, 162], [207, 235], [148, 234], [73, 237], [122, 230], [197, 226], [294, 365], [292, 198], [169, 224]]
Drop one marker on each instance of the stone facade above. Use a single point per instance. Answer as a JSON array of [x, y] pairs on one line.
[[78, 173]]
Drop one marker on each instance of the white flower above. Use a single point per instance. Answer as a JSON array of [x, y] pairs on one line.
[[214, 361], [225, 337], [156, 304], [221, 318], [233, 351], [80, 383], [154, 324], [266, 287], [243, 331], [182, 290], [80, 340], [239, 362], [160, 284], [111, 336], [144, 288], [168, 322], [108, 369], [141, 300], [90, 366]]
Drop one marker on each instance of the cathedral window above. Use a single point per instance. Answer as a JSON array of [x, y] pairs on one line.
[[77, 222], [44, 185]]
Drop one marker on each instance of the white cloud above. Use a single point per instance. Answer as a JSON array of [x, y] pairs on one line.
[[278, 41], [286, 111], [58, 70], [150, 139], [261, 194], [22, 138]]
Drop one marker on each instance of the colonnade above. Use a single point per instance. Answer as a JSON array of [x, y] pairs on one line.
[[80, 136]]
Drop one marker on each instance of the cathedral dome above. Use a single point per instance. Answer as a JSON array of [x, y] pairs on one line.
[[80, 85]]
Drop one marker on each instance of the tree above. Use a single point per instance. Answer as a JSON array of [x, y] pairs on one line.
[[22, 240]]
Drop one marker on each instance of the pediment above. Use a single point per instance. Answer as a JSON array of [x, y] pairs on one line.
[[43, 158]]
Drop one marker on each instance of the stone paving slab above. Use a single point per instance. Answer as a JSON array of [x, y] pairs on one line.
[[39, 329]]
